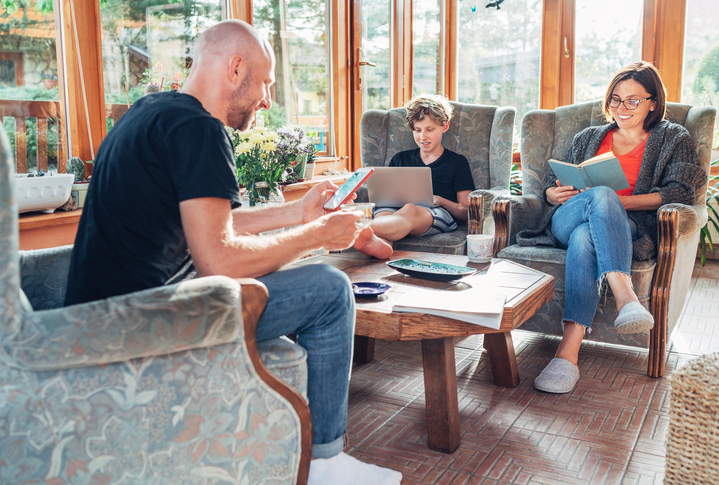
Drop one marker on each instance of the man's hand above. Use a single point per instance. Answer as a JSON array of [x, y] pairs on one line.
[[437, 200], [314, 200], [339, 230]]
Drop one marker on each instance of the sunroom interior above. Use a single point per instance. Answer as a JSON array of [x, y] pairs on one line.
[[70, 69]]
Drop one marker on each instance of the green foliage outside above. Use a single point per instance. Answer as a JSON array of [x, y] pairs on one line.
[[705, 237]]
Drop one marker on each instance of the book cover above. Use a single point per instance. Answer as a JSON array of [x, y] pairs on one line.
[[603, 169], [473, 306]]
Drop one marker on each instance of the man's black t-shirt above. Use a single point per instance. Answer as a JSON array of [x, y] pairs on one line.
[[450, 172], [167, 148]]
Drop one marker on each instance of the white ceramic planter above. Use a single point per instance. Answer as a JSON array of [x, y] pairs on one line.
[[45, 193]]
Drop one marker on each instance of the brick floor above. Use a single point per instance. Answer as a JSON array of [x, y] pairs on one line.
[[609, 430]]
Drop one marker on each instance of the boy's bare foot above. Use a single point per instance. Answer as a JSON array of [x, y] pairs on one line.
[[373, 245]]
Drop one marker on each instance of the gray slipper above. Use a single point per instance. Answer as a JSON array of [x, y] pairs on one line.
[[633, 318], [559, 377]]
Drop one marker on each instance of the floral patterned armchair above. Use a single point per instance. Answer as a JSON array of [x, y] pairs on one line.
[[661, 283], [483, 134], [160, 386]]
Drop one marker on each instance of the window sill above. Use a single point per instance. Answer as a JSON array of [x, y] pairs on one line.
[[39, 231], [308, 184]]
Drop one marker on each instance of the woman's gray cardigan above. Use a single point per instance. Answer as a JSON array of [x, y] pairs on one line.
[[670, 166]]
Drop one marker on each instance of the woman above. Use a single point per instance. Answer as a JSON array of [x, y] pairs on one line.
[[601, 229]]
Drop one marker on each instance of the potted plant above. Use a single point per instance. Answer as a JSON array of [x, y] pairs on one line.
[[79, 187], [49, 78], [262, 157]]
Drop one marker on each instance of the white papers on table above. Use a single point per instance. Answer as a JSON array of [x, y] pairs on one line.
[[474, 305]]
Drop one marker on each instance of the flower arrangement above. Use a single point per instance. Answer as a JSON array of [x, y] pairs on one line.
[[157, 78], [49, 75], [262, 157]]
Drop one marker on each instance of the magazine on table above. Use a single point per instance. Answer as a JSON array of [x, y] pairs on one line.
[[473, 306]]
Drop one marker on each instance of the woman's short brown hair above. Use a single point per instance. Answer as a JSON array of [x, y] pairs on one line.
[[433, 105], [647, 75]]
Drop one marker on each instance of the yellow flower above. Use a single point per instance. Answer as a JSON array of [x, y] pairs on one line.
[[256, 138], [271, 135], [243, 147], [269, 146]]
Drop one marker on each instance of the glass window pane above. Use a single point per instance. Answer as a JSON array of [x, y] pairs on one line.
[[608, 37], [29, 95], [425, 42], [498, 54], [140, 35], [297, 31], [376, 86], [700, 81]]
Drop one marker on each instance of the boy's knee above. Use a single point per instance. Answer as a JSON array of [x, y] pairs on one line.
[[409, 210]]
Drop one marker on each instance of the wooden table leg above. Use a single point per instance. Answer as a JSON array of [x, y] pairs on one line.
[[440, 390], [501, 355], [364, 349]]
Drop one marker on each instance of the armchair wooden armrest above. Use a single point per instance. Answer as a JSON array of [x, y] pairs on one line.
[[480, 209], [678, 226], [512, 214]]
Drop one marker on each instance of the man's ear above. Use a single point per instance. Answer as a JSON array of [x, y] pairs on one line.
[[445, 127], [236, 69]]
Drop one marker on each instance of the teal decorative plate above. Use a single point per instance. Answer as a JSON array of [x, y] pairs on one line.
[[430, 271]]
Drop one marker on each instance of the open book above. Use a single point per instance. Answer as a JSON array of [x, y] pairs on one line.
[[603, 169], [473, 306]]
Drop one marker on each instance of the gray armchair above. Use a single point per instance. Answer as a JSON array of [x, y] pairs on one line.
[[160, 386], [483, 134], [661, 284]]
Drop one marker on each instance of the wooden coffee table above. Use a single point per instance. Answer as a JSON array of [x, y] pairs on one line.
[[526, 290]]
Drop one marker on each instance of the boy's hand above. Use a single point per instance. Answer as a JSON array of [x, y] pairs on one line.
[[437, 200]]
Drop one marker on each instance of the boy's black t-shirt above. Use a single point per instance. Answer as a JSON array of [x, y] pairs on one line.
[[450, 172], [166, 149]]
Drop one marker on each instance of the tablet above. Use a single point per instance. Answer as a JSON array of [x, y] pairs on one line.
[[343, 195]]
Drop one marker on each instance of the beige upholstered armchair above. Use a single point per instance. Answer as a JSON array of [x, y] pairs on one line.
[[162, 386], [483, 134], [661, 283]]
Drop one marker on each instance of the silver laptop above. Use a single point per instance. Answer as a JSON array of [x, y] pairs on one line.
[[397, 186]]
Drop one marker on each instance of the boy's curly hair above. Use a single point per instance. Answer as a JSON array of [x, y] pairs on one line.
[[433, 105]]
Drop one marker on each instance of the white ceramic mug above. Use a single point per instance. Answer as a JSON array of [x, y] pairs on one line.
[[479, 247]]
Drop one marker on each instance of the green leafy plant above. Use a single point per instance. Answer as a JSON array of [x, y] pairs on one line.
[[705, 237], [515, 180]]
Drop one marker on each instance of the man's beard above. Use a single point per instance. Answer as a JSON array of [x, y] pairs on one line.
[[240, 114]]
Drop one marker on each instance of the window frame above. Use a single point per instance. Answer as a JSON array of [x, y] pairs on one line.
[[662, 44]]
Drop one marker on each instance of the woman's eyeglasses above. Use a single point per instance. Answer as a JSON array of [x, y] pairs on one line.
[[630, 104]]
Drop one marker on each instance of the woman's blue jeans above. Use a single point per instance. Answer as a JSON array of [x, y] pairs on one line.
[[594, 228], [316, 303]]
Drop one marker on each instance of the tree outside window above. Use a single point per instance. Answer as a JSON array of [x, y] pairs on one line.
[[297, 31]]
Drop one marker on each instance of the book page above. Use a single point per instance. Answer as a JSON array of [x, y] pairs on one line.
[[598, 158]]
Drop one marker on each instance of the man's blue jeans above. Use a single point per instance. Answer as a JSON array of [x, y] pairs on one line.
[[594, 228], [316, 303]]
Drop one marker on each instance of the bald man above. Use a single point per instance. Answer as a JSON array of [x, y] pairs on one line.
[[164, 187]]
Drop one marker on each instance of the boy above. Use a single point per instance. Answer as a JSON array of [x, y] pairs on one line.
[[428, 117]]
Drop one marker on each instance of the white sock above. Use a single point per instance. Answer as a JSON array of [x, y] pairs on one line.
[[346, 470]]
